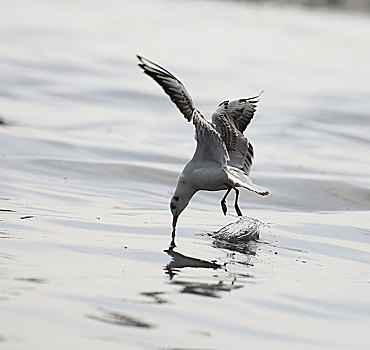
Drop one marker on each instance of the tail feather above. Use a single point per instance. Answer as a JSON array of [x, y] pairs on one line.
[[241, 179]]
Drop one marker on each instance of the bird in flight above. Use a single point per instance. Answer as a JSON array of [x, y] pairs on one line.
[[223, 156]]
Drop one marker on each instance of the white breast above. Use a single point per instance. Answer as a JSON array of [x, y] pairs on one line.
[[210, 178]]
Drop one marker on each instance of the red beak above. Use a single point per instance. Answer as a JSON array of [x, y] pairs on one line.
[[174, 221]]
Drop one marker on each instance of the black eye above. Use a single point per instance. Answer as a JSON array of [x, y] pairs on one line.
[[173, 206], [176, 198]]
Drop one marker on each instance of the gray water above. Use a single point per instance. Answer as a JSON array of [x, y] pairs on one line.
[[90, 149]]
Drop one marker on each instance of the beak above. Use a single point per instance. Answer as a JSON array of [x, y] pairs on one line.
[[174, 221]]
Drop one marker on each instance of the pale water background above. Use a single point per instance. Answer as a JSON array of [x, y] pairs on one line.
[[90, 150]]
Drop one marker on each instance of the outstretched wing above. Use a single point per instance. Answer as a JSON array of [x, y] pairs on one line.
[[210, 145], [171, 85], [231, 119], [240, 111], [240, 150]]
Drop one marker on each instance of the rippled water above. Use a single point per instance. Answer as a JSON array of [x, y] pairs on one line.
[[90, 149]]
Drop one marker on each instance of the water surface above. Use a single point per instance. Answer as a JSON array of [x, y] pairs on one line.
[[90, 150]]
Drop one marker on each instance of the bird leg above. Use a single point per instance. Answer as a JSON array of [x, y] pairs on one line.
[[236, 206], [223, 200]]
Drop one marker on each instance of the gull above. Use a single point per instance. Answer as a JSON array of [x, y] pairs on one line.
[[223, 156]]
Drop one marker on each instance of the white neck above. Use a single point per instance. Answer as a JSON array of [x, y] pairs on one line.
[[184, 191]]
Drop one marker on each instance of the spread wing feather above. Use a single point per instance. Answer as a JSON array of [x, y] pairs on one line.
[[241, 111], [231, 119], [171, 85], [210, 145]]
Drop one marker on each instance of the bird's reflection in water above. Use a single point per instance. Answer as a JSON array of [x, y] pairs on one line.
[[207, 289], [180, 261], [238, 252]]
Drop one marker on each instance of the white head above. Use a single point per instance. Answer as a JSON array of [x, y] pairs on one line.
[[180, 199]]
